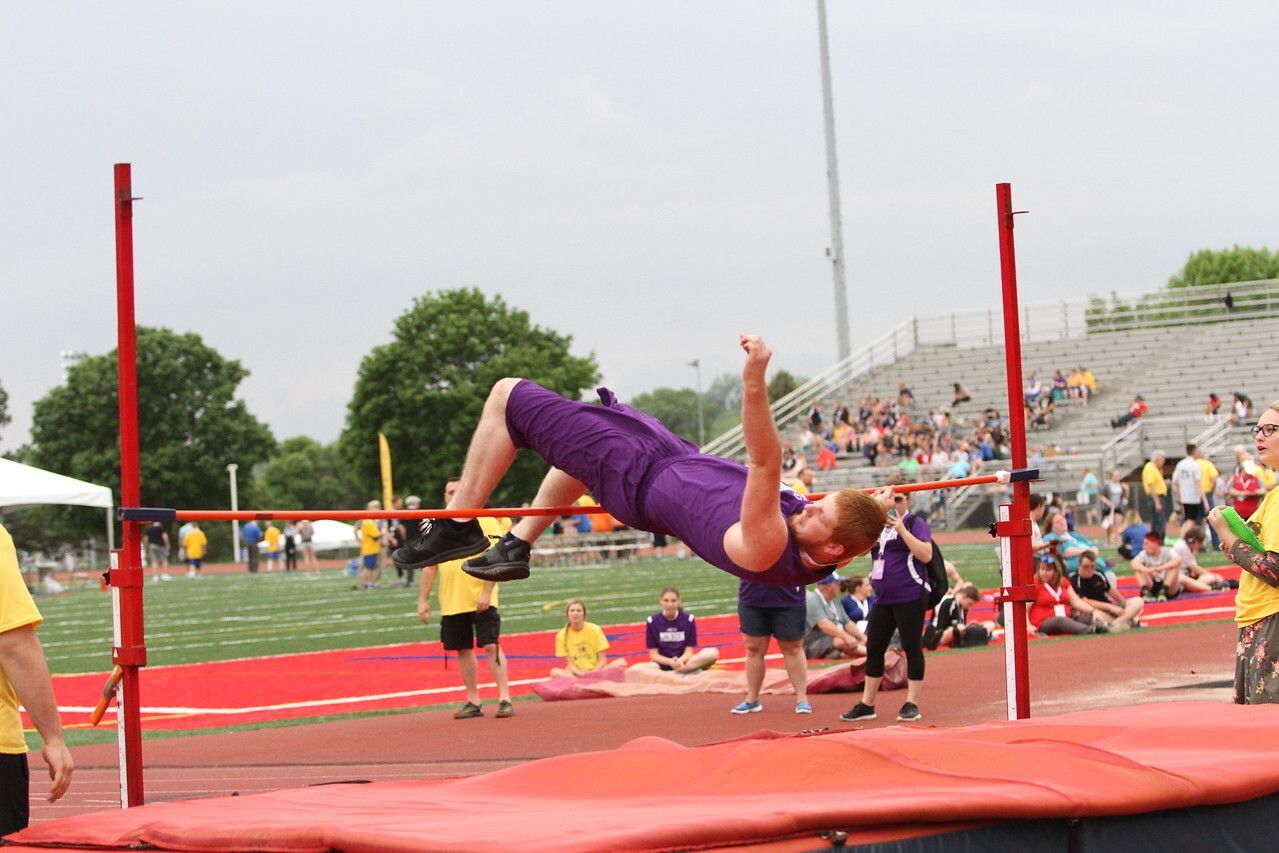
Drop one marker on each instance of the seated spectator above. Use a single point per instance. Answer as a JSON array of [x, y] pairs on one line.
[[803, 482], [960, 395], [1059, 387], [1241, 408], [905, 397], [949, 626], [582, 644], [826, 459], [859, 598], [671, 638], [1157, 569], [1098, 590], [1134, 533], [1071, 545], [1194, 577], [1075, 385], [828, 631], [815, 416], [1213, 407], [1090, 384], [1057, 608], [843, 415], [1033, 390], [1136, 409], [1041, 416], [791, 461]]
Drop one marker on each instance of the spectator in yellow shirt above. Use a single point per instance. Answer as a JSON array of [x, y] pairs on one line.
[[271, 535], [196, 545], [582, 644], [369, 534], [1152, 479]]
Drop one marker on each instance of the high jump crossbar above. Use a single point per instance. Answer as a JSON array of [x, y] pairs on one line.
[[166, 516], [129, 653]]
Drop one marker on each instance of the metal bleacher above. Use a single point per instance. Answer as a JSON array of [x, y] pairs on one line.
[[1173, 353]]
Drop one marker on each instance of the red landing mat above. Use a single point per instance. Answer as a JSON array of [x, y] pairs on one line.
[[655, 795]]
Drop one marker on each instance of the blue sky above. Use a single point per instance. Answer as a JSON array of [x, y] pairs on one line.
[[647, 177]]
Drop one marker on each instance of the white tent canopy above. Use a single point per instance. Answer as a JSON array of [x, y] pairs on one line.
[[23, 485], [331, 535]]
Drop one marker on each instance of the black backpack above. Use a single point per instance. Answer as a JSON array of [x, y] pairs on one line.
[[938, 583]]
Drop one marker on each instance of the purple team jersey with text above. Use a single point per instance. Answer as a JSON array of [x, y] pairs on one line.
[[898, 578], [670, 636]]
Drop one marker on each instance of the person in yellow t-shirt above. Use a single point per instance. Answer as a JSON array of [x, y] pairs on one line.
[[468, 618], [369, 534], [1209, 475], [196, 545], [1257, 604], [1152, 478], [582, 644], [24, 678], [274, 539]]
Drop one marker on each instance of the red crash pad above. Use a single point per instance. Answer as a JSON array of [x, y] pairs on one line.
[[655, 795]]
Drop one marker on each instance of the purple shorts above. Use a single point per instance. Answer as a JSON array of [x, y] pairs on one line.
[[610, 447]]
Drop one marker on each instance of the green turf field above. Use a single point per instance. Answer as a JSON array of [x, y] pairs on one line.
[[220, 617]]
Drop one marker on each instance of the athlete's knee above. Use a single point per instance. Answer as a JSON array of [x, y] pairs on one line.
[[501, 390]]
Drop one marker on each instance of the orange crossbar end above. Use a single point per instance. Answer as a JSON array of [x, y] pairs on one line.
[[108, 690]]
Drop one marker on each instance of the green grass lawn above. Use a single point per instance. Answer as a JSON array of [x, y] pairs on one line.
[[221, 617]]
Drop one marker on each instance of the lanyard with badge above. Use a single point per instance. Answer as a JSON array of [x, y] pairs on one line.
[[1059, 609]]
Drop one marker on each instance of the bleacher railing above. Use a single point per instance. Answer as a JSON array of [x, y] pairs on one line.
[[1040, 321]]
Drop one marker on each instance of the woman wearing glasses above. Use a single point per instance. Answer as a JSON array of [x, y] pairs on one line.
[[1257, 604], [899, 573]]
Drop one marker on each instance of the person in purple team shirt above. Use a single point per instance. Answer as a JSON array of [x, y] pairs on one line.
[[899, 573], [671, 637], [733, 516]]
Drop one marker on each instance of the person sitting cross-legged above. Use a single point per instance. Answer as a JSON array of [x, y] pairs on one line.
[[1057, 608], [950, 626], [1094, 587], [731, 515], [671, 638], [1157, 569], [1194, 577]]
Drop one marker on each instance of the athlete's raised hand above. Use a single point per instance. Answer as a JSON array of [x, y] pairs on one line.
[[757, 356]]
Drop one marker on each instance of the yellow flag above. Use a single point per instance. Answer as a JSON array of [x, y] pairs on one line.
[[384, 457]]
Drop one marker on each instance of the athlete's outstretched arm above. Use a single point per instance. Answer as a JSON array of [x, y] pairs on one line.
[[759, 538]]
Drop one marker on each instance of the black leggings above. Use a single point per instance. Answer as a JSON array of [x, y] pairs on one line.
[[884, 619]]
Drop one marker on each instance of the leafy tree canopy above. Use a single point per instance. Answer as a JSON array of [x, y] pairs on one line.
[[426, 388], [782, 383], [675, 407], [190, 424], [4, 407], [304, 474], [1240, 263]]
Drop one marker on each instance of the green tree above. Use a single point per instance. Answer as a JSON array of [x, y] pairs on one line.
[[4, 407], [782, 383], [304, 474], [190, 424], [675, 407], [426, 388], [1240, 263]]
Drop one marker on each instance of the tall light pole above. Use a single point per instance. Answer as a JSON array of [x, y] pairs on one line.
[[836, 250], [701, 417], [235, 505]]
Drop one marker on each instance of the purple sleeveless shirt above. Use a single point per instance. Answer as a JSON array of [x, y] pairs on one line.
[[697, 498]]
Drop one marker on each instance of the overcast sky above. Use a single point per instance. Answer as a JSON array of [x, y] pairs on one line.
[[646, 177]]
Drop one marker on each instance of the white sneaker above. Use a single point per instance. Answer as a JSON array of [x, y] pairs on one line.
[[191, 573]]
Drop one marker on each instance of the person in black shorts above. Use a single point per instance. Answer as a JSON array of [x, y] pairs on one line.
[[765, 612], [469, 618]]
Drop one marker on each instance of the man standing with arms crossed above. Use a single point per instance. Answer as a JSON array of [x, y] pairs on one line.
[[24, 677], [468, 617]]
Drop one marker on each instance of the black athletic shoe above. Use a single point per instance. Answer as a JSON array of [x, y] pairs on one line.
[[909, 713], [441, 540], [505, 561], [861, 711]]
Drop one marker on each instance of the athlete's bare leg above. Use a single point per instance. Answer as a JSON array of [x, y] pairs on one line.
[[491, 451], [557, 489]]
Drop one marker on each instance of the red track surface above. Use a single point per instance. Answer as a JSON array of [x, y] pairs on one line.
[[254, 690]]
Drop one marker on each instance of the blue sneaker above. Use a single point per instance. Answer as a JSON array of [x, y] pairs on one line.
[[802, 707], [745, 707]]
